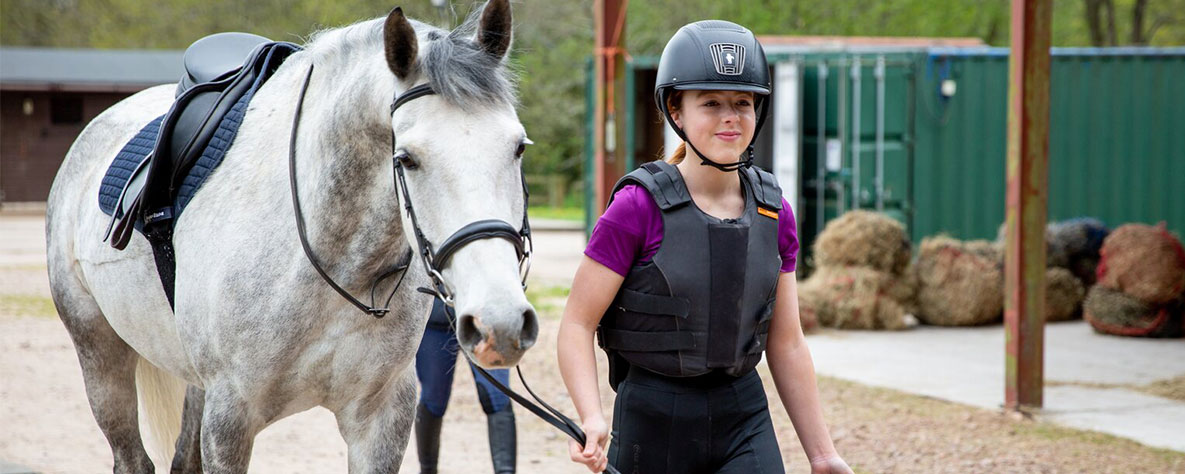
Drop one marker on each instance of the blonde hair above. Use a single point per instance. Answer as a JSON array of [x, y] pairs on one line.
[[674, 102]]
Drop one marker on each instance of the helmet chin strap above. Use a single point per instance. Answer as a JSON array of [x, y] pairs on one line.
[[726, 167]]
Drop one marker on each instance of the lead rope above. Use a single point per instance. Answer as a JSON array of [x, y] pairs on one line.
[[547, 413]]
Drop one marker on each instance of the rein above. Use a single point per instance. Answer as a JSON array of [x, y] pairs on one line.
[[435, 260]]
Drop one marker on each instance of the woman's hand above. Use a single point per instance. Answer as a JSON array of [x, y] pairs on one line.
[[830, 465], [592, 454]]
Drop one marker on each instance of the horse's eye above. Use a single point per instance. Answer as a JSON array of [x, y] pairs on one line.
[[522, 147], [405, 160]]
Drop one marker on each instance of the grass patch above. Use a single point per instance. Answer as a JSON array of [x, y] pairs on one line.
[[28, 267], [548, 300], [1173, 388], [27, 305], [573, 214]]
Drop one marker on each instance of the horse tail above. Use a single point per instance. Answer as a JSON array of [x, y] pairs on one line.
[[162, 397]]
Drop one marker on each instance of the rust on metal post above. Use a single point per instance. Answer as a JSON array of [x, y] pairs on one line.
[[609, 123], [1027, 198]]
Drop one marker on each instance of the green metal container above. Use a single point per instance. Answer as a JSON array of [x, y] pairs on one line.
[[921, 135], [1116, 145]]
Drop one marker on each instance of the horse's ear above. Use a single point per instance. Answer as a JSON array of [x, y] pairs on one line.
[[399, 42], [493, 35]]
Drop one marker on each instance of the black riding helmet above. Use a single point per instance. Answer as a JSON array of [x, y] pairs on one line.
[[714, 55]]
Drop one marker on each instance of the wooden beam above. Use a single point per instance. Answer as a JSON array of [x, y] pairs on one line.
[[609, 119], [1027, 199]]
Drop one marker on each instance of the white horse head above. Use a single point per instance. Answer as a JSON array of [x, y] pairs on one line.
[[461, 150]]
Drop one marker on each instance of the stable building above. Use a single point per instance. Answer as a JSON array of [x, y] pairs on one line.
[[48, 95]]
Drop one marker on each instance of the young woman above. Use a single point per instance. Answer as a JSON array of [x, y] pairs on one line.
[[687, 279]]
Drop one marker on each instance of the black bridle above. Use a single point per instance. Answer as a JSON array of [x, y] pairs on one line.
[[435, 259]]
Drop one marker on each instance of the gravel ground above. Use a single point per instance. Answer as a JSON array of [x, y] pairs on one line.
[[45, 423]]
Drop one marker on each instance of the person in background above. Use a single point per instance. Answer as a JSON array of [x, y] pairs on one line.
[[435, 361]]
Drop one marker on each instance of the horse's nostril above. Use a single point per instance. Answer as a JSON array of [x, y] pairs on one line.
[[530, 330], [468, 332]]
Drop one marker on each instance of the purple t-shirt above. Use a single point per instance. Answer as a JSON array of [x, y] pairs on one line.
[[630, 232]]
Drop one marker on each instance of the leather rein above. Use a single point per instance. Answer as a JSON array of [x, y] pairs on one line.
[[435, 259]]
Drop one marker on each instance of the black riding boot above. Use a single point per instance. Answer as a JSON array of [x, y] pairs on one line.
[[503, 443], [427, 438]]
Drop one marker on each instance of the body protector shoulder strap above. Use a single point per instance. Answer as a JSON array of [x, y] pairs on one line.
[[704, 302]]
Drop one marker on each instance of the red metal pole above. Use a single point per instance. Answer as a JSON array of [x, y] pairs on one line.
[[1027, 198], [609, 132]]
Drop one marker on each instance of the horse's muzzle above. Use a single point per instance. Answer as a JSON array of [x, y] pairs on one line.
[[498, 342]]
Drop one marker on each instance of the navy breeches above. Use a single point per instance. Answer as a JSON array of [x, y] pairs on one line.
[[435, 361]]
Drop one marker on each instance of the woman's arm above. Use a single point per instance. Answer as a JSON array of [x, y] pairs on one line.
[[593, 289], [794, 375]]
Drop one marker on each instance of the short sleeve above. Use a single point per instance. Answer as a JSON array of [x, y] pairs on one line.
[[787, 238], [629, 231]]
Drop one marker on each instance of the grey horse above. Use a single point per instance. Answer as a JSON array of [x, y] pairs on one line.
[[256, 335]]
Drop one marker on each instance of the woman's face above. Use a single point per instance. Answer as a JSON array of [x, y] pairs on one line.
[[719, 123]]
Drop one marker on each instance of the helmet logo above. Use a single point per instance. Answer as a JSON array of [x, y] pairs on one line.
[[729, 58]]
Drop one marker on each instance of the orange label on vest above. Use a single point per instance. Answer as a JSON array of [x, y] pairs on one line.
[[767, 213]]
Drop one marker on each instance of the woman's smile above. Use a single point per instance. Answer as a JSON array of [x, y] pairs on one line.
[[729, 135]]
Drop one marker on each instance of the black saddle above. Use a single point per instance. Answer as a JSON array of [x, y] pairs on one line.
[[220, 69]]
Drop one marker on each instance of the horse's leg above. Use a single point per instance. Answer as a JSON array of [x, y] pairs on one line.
[[227, 431], [109, 373], [188, 459], [377, 428]]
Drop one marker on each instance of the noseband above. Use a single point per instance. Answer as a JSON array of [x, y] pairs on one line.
[[434, 259]]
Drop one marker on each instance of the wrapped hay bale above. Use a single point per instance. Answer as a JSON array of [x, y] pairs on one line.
[[1143, 261], [863, 239], [1074, 245], [1112, 312], [957, 287], [1063, 294], [852, 298]]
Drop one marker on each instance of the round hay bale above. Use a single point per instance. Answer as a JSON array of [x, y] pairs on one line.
[[1143, 261], [863, 239], [993, 251], [903, 290], [957, 287], [1112, 312], [809, 302], [852, 298], [1074, 244], [1063, 294]]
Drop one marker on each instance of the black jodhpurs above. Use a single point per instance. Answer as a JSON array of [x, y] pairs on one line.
[[709, 424]]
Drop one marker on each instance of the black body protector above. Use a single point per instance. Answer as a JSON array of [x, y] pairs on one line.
[[704, 302]]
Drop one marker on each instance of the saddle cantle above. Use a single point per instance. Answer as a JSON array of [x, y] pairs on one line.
[[159, 170]]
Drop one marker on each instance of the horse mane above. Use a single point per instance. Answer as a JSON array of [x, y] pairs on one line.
[[457, 68]]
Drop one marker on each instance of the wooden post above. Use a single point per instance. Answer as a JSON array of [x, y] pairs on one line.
[[1027, 199], [609, 121]]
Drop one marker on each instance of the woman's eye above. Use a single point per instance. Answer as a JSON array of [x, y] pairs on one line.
[[711, 103], [744, 103]]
